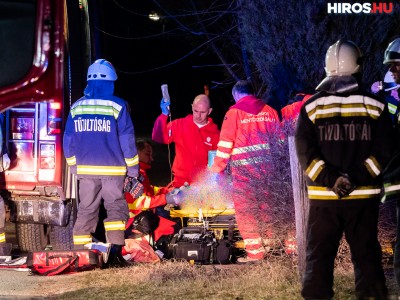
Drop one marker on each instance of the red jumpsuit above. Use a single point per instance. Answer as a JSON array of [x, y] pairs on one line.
[[152, 197], [191, 145], [244, 141]]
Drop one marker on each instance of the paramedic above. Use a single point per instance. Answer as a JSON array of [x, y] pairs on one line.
[[153, 196], [193, 135], [244, 141], [99, 146], [343, 141]]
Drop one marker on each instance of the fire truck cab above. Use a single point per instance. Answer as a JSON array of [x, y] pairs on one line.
[[44, 58]]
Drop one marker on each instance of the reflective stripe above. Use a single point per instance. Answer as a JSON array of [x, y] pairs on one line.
[[257, 251], [248, 161], [323, 193], [248, 242], [222, 154], [373, 166], [147, 202], [392, 108], [114, 225], [96, 106], [82, 239], [250, 148], [390, 188], [101, 170], [315, 168], [71, 160], [344, 107], [130, 162], [2, 237], [225, 144]]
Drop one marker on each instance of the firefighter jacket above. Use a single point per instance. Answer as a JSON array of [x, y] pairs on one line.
[[99, 139], [192, 144], [343, 133], [152, 196], [243, 138]]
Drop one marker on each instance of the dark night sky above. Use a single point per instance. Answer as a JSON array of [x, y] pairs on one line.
[[134, 55]]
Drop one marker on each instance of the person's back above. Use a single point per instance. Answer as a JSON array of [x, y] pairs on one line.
[[99, 146], [247, 123], [244, 143], [343, 142]]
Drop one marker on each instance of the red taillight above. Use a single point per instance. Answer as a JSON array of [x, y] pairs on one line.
[[47, 156], [54, 118]]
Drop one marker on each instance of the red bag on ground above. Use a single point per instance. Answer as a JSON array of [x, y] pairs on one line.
[[139, 250], [51, 263]]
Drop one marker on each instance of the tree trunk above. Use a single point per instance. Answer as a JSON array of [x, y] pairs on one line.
[[301, 205]]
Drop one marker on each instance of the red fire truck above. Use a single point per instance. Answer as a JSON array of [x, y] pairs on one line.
[[44, 57]]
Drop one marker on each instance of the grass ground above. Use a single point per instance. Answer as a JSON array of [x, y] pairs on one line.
[[276, 279]]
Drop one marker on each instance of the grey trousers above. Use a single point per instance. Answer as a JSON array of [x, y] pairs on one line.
[[91, 193]]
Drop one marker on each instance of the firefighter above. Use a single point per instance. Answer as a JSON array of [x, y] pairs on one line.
[[389, 91], [153, 196], [243, 142], [193, 136], [344, 139], [99, 146], [392, 176]]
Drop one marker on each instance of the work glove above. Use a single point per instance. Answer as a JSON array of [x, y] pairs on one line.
[[165, 106], [343, 186], [6, 162], [177, 195], [134, 186]]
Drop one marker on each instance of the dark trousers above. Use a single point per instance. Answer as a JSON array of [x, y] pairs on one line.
[[396, 264], [326, 226]]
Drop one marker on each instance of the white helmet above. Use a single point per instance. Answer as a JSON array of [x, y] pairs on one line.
[[101, 69], [342, 58], [389, 83], [392, 52]]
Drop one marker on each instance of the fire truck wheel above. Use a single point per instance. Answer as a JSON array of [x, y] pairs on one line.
[[61, 237], [31, 237]]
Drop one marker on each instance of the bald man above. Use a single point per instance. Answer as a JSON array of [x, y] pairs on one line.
[[194, 136]]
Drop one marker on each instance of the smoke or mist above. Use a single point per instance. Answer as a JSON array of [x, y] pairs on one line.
[[207, 193]]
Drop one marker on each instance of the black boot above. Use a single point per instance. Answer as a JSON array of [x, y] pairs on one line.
[[115, 258]]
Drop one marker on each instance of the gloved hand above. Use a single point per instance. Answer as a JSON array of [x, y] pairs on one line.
[[177, 195], [174, 197], [6, 162], [165, 106], [134, 186], [343, 186]]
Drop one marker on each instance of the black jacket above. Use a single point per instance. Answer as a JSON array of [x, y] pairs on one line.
[[337, 134]]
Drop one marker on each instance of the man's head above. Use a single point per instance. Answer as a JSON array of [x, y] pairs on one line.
[[241, 89], [392, 58], [145, 151], [201, 109], [101, 69]]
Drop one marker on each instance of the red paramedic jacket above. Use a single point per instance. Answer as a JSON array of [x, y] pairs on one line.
[[243, 138], [191, 145]]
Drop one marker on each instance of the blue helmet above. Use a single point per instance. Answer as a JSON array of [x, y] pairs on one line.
[[101, 69]]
